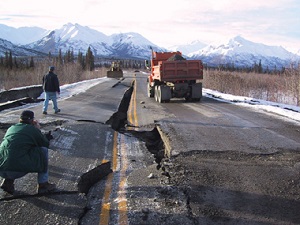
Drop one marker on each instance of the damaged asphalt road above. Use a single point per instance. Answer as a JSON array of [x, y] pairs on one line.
[[131, 160], [81, 142], [226, 164], [80, 157]]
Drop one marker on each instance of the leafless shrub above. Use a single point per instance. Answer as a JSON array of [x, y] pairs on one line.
[[282, 88], [292, 82], [14, 78], [68, 73]]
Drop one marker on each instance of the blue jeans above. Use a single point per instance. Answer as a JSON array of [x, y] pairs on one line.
[[42, 177], [48, 96]]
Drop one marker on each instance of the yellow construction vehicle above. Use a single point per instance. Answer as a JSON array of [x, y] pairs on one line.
[[115, 70]]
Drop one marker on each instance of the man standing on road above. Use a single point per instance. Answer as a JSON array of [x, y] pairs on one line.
[[24, 149], [51, 89]]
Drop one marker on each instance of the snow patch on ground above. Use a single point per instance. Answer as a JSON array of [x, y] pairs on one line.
[[288, 111]]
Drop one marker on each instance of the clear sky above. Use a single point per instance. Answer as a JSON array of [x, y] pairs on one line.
[[167, 22]]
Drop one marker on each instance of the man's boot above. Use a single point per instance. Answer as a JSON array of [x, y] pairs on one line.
[[46, 187], [8, 186]]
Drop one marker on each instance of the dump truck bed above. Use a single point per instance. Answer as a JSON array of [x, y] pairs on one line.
[[170, 71]]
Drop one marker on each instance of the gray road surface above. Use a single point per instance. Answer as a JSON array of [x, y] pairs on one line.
[[227, 165]]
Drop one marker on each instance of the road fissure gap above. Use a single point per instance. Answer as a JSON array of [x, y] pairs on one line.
[[118, 121]]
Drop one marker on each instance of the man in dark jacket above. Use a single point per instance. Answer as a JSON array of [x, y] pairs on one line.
[[51, 89], [24, 149]]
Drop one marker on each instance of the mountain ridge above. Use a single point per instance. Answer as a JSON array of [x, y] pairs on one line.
[[237, 51], [244, 53]]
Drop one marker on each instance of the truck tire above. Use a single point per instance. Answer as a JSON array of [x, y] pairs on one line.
[[163, 93], [155, 93], [150, 91], [159, 94]]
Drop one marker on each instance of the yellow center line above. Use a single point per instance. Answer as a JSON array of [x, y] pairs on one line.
[[134, 106], [122, 204], [105, 210], [132, 115], [104, 215], [129, 115], [115, 151]]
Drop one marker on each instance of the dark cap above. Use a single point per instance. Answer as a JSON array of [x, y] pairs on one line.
[[27, 115], [51, 68]]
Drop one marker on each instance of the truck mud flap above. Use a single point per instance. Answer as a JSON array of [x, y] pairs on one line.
[[197, 91]]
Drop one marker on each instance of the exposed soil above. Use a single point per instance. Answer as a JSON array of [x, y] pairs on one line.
[[238, 188]]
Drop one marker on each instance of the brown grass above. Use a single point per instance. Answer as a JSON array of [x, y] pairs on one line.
[[283, 88], [67, 74]]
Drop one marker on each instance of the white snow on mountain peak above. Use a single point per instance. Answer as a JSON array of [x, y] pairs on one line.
[[22, 35], [240, 49], [130, 38], [237, 50], [76, 32], [188, 48]]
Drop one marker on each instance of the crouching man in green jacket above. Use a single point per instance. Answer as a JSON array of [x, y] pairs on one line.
[[24, 149]]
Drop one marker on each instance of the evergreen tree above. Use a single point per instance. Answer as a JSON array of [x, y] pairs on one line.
[[1, 61], [66, 57], [15, 62], [255, 67], [259, 69], [8, 60], [72, 58], [69, 56], [90, 64], [60, 58], [31, 64], [80, 60]]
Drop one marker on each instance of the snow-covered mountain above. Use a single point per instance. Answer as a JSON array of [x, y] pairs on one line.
[[22, 35], [237, 51], [132, 44], [243, 53], [7, 46], [73, 37], [78, 38], [188, 48]]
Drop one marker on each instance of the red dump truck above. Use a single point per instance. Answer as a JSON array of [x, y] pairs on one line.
[[172, 76]]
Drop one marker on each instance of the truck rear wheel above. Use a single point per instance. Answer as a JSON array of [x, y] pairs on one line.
[[150, 91], [162, 93], [155, 93], [159, 97]]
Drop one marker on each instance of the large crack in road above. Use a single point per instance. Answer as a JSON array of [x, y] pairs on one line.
[[153, 141], [118, 122]]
